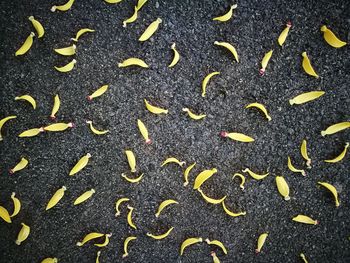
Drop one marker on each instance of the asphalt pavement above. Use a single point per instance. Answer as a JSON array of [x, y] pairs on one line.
[[253, 30]]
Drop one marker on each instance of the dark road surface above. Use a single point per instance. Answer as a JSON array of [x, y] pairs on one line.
[[253, 30]]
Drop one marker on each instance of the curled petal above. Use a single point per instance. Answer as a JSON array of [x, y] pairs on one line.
[[150, 30]]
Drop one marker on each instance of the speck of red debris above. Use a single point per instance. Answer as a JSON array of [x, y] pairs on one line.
[[223, 134]]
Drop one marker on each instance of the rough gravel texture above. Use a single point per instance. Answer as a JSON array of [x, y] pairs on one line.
[[253, 30]]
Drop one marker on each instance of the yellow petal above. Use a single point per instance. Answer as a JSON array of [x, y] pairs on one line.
[[56, 107], [154, 109], [237, 136], [303, 257], [95, 131], [303, 150], [113, 1], [66, 68], [31, 132], [38, 26], [217, 243], [49, 260], [140, 4], [126, 243], [206, 80], [19, 166], [56, 197], [242, 179], [187, 172], [98, 257], [129, 217], [305, 220], [202, 177], [284, 34], [193, 115], [307, 66], [89, 237], [3, 121], [176, 57], [80, 164], [98, 92], [132, 18], [165, 204], [331, 38], [306, 97], [215, 258], [260, 107], [85, 196], [173, 160], [143, 131], [132, 180], [64, 7], [282, 187], [105, 242], [336, 128], [211, 200], [23, 234], [161, 236], [57, 127], [340, 156], [4, 214], [150, 30], [26, 45], [133, 62], [131, 160], [66, 51], [226, 16], [82, 32], [230, 47], [230, 213], [261, 242], [333, 190], [28, 98], [16, 205], [118, 203], [188, 242], [255, 175], [265, 61], [293, 169]]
